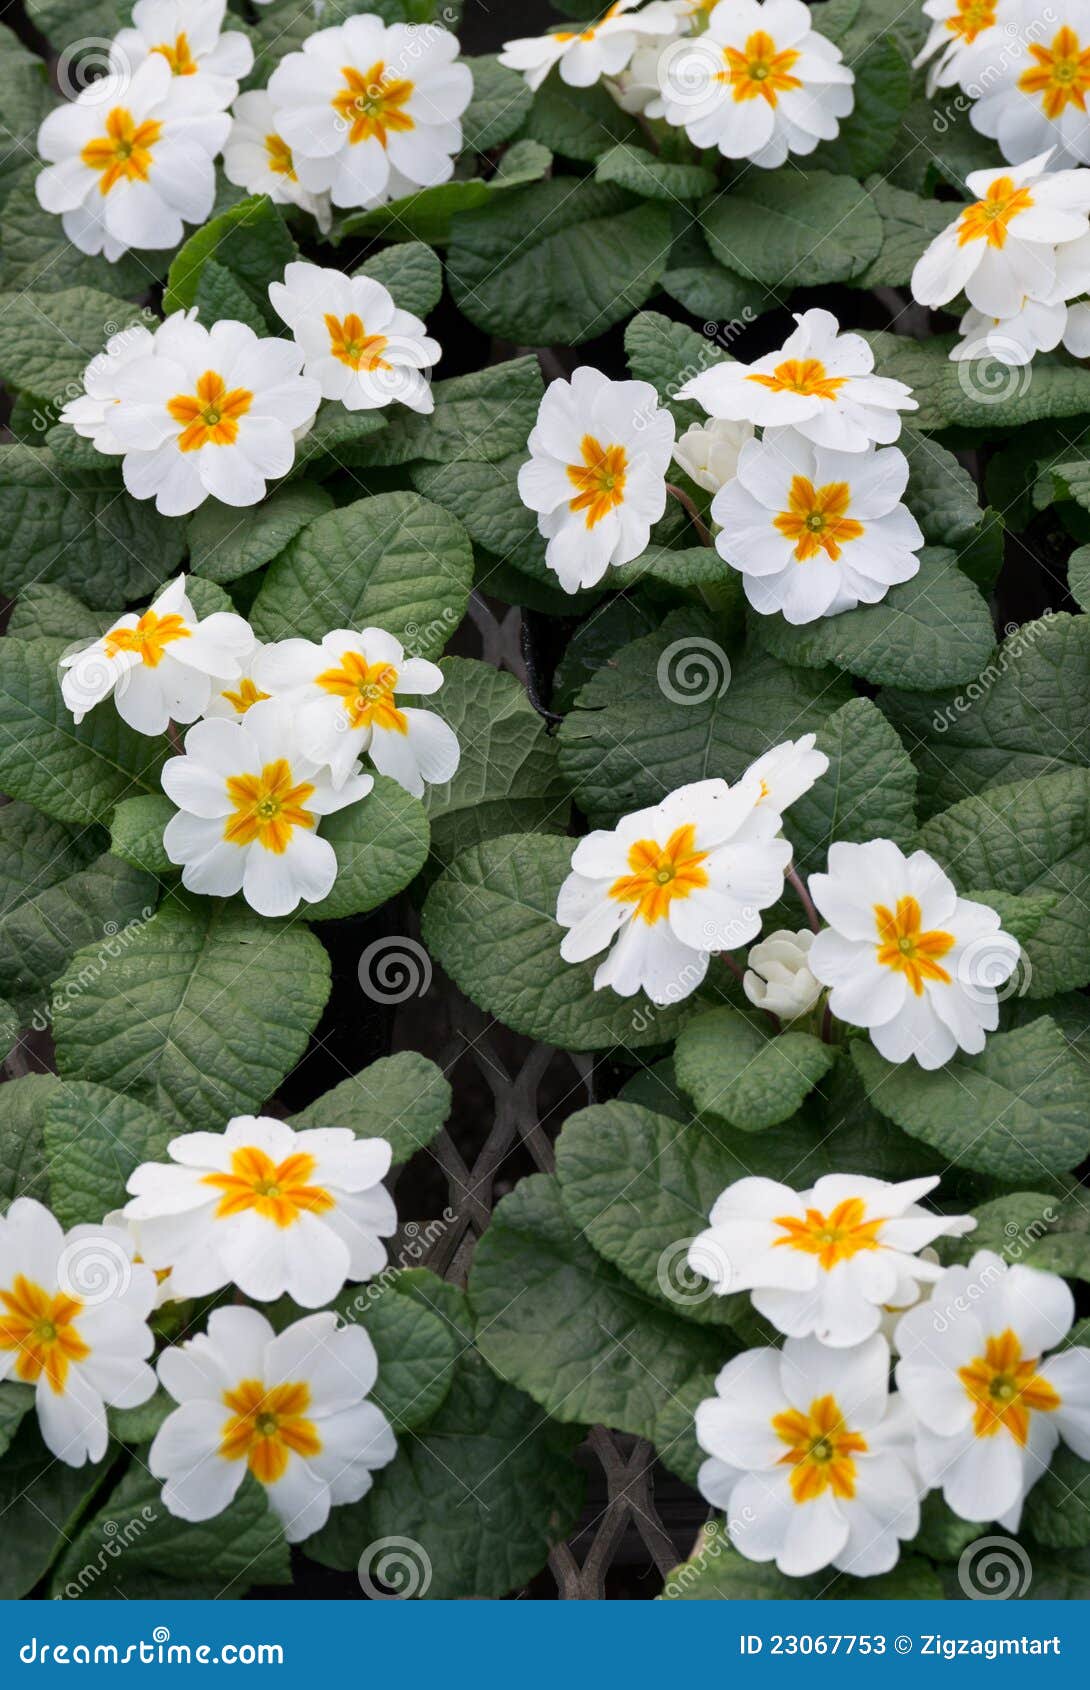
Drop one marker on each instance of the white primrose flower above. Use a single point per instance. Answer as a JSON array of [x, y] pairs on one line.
[[256, 157], [164, 1292], [210, 412], [133, 173], [1029, 82], [291, 1409], [249, 806], [671, 884], [74, 1324], [585, 53], [893, 1313], [811, 1458], [759, 83], [158, 664], [1037, 327], [343, 697], [186, 33], [91, 412], [990, 1406], [635, 88], [820, 383], [815, 532], [957, 25], [785, 772], [1002, 248], [372, 112], [233, 695], [356, 343], [823, 1261], [1076, 335], [777, 977], [265, 1208], [596, 475], [708, 452], [907, 958]]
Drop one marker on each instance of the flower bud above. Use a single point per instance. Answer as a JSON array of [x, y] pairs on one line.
[[708, 452], [778, 978]]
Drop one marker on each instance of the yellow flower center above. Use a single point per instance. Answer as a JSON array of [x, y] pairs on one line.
[[801, 375], [279, 154], [989, 219], [268, 1425], [1006, 1388], [759, 71], [149, 638], [178, 55], [815, 518], [39, 1324], [371, 103], [210, 416], [350, 342], [907, 950], [277, 1192], [124, 153], [971, 19], [820, 1450], [1061, 75], [661, 873], [267, 807], [247, 694], [832, 1238], [367, 690], [599, 480]]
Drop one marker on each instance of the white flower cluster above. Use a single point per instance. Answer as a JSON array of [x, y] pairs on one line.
[[197, 413], [669, 887], [277, 749], [821, 488], [365, 113], [1020, 253], [259, 1207], [813, 1459], [750, 77]]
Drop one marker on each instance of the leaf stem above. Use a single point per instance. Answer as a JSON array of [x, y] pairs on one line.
[[174, 735], [695, 517], [804, 898]]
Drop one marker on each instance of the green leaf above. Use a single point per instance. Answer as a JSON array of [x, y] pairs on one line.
[[1030, 836], [219, 294], [23, 1170], [485, 498], [41, 1500], [670, 708], [735, 1071], [430, 214], [74, 904], [76, 774], [482, 1492], [935, 627], [1058, 1507], [15, 1401], [883, 87], [579, 123], [909, 225], [501, 100], [381, 845], [579, 1338], [941, 494], [867, 792], [45, 612], [78, 527], [25, 98], [164, 1556], [404, 1099], [94, 1138], [136, 832], [653, 178], [508, 776], [47, 341], [200, 1017], [417, 1349], [556, 262], [1020, 914], [38, 258], [1019, 1109], [60, 21], [1078, 576], [490, 921], [713, 293], [338, 434], [981, 394], [668, 355], [410, 272], [393, 559], [1026, 713], [794, 226], [250, 239], [640, 1188], [484, 416], [1032, 1227]]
